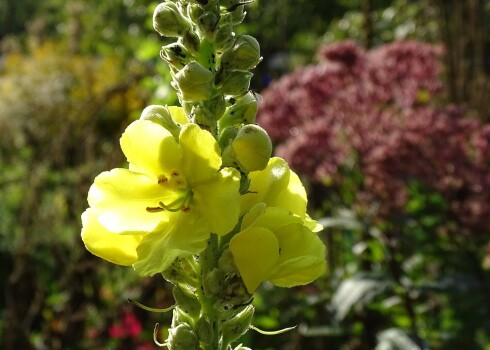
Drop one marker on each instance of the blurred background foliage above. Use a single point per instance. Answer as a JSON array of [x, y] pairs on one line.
[[388, 130]]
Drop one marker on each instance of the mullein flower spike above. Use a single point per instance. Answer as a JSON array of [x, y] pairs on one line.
[[202, 202]]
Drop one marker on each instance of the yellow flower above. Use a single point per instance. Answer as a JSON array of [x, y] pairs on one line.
[[166, 204], [276, 245], [277, 241], [278, 186]]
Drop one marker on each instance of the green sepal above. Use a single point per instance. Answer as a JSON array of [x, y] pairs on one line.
[[243, 55], [182, 337], [235, 83], [161, 115], [186, 301], [176, 55], [242, 110], [193, 82], [235, 327], [169, 21], [204, 330]]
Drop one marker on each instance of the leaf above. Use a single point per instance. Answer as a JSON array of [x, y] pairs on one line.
[[357, 292], [396, 339], [345, 219]]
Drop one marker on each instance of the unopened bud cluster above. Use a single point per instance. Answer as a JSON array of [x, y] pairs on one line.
[[210, 67], [213, 307]]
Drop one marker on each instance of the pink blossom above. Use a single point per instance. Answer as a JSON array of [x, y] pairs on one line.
[[380, 111]]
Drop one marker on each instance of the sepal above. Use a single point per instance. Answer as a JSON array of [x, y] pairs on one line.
[[169, 21], [236, 326], [183, 337], [193, 82], [161, 116], [244, 55]]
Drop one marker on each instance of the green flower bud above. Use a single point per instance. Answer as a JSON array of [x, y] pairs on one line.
[[175, 55], [194, 11], [186, 301], [252, 148], [244, 183], [242, 111], [235, 11], [215, 106], [226, 136], [204, 330], [169, 21], [183, 337], [235, 82], [225, 262], [193, 82], [225, 139], [161, 115], [225, 37], [213, 282], [244, 55], [181, 271], [235, 327], [206, 112], [208, 23], [191, 41], [180, 317]]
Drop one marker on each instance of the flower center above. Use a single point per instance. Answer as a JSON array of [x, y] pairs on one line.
[[175, 182]]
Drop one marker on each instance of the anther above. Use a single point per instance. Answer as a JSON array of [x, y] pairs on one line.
[[162, 180], [154, 209], [185, 209]]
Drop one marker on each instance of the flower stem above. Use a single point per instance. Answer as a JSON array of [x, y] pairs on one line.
[[207, 262]]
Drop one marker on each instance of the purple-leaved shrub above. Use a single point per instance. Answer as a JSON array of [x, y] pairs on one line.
[[384, 108]]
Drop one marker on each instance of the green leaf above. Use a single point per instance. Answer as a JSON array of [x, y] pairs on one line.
[[395, 339], [357, 291]]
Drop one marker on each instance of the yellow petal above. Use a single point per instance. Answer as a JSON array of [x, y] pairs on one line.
[[218, 201], [274, 218], [118, 249], [182, 236], [121, 198], [293, 197], [178, 114], [302, 256], [277, 186], [150, 148], [201, 159], [253, 214], [313, 225], [267, 184], [255, 253]]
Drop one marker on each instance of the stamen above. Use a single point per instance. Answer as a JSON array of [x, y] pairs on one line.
[[168, 207], [175, 173], [177, 205], [162, 180], [154, 209]]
